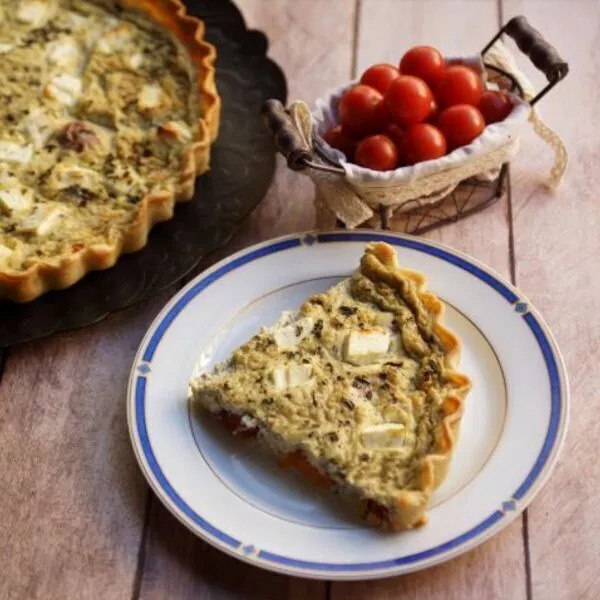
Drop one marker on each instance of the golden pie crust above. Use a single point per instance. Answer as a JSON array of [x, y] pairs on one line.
[[63, 271]]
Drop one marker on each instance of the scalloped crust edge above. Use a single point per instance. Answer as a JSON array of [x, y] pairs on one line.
[[408, 509], [44, 276]]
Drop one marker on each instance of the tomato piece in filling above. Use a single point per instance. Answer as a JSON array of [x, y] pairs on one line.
[[297, 461], [379, 512], [235, 425]]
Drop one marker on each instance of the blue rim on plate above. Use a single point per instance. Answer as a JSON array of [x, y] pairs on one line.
[[509, 509]]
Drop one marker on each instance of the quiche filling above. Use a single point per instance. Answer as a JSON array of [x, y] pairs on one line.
[[352, 391], [97, 112]]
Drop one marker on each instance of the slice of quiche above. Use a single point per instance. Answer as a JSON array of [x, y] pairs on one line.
[[357, 391]]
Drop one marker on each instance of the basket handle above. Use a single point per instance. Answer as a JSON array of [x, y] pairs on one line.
[[289, 142], [286, 137], [543, 55]]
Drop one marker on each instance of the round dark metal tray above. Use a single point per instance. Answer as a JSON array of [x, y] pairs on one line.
[[243, 164]]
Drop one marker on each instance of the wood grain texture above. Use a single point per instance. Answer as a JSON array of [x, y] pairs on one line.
[[72, 495], [387, 29], [73, 498], [557, 250], [312, 41], [177, 564]]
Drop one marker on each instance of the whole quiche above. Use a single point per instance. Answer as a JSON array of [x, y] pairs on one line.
[[107, 114]]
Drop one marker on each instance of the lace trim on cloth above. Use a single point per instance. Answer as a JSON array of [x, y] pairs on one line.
[[500, 56]]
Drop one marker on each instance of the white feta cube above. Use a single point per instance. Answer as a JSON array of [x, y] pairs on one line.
[[291, 335], [5, 252], [150, 97], [15, 153], [64, 88], [298, 375], [65, 53], [73, 175], [291, 376], [42, 220], [35, 12], [38, 127], [280, 377], [384, 436], [135, 60], [15, 199], [363, 347]]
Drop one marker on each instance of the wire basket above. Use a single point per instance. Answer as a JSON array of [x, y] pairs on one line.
[[472, 194]]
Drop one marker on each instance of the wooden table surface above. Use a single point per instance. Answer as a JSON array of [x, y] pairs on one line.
[[78, 518]]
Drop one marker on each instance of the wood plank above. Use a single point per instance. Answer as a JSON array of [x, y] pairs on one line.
[[557, 250], [314, 47], [72, 495], [180, 565], [387, 29], [312, 43]]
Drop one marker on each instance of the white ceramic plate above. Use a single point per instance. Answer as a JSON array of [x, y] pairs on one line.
[[236, 499]]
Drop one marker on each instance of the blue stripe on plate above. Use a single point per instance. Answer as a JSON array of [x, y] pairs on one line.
[[204, 283], [386, 564], [555, 405], [456, 542], [426, 249], [140, 394]]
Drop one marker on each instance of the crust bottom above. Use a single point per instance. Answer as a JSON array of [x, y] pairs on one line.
[[64, 271], [407, 511], [291, 457]]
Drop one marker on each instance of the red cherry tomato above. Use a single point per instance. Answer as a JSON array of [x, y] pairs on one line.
[[380, 76], [495, 106], [424, 62], [408, 100], [338, 138], [461, 124], [382, 120], [434, 112], [395, 133], [459, 85], [377, 152], [360, 109], [421, 141]]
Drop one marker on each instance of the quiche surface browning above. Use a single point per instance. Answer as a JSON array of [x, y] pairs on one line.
[[359, 384], [107, 113]]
